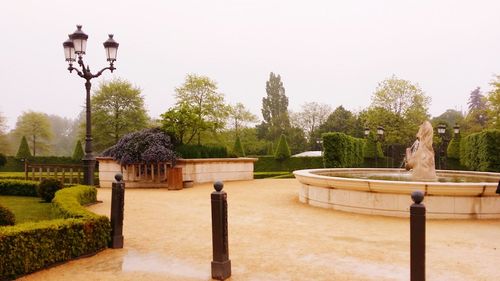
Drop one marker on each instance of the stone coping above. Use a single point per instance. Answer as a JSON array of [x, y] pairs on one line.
[[312, 177]]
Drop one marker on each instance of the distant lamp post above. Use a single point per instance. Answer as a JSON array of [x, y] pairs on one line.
[[379, 137], [456, 129], [319, 142], [367, 131], [75, 46], [441, 128]]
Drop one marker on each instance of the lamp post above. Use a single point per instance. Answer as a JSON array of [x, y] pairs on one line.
[[456, 129], [441, 128], [73, 47], [319, 143], [380, 137]]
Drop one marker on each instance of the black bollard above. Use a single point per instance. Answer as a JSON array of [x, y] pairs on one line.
[[221, 265], [498, 188], [117, 204], [417, 237]]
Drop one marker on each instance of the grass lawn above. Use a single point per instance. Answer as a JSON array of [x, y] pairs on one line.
[[27, 208], [12, 175]]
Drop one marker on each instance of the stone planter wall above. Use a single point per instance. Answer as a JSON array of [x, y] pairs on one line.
[[195, 170]]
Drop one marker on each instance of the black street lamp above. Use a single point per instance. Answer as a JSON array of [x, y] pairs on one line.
[[456, 129], [378, 137], [441, 128], [75, 46]]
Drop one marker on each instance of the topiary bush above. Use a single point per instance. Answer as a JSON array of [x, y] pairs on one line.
[[341, 150], [453, 150], [190, 151], [6, 217], [18, 187], [78, 152], [282, 151], [28, 247], [48, 188], [481, 151], [238, 148], [24, 150]]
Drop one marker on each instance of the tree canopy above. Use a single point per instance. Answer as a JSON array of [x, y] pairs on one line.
[[199, 105], [36, 127], [312, 115], [117, 109], [275, 109]]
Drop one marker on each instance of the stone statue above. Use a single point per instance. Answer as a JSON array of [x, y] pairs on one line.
[[420, 156]]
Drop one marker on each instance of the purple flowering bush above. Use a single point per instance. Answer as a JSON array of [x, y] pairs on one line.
[[145, 146]]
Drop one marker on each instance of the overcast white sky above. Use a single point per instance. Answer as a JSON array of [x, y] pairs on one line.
[[332, 52]]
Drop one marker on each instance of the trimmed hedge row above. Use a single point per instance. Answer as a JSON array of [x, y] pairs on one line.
[[270, 164], [341, 150], [453, 150], [16, 165], [481, 151], [188, 151], [28, 247], [18, 188]]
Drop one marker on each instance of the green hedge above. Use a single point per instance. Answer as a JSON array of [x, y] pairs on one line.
[[270, 164], [28, 247], [18, 188], [188, 151], [265, 175], [341, 150], [453, 150], [16, 165], [481, 151]]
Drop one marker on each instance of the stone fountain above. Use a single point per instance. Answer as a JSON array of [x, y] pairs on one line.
[[448, 194]]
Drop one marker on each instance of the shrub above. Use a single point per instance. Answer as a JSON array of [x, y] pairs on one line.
[[238, 148], [270, 164], [78, 152], [28, 247], [481, 151], [24, 150], [189, 151], [453, 150], [369, 148], [18, 188], [15, 164], [282, 151], [3, 160], [341, 150], [48, 188], [6, 217], [148, 145]]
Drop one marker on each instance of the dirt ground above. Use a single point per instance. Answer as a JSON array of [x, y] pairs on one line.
[[272, 236]]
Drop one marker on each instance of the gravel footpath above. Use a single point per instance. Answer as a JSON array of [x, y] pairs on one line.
[[272, 236]]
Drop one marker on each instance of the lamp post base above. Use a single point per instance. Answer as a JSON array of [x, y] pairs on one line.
[[88, 171], [221, 270]]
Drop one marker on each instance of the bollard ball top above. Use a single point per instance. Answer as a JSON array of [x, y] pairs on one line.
[[218, 185], [118, 177], [417, 196]]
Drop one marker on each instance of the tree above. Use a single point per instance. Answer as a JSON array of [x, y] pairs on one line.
[[477, 116], [400, 106], [240, 116], [24, 150], [36, 126], [400, 97], [198, 96], [310, 117], [494, 104], [3, 134], [78, 152], [340, 120], [238, 147], [180, 122], [118, 109], [64, 135], [282, 151], [275, 109]]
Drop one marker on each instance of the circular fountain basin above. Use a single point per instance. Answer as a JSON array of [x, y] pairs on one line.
[[457, 194]]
